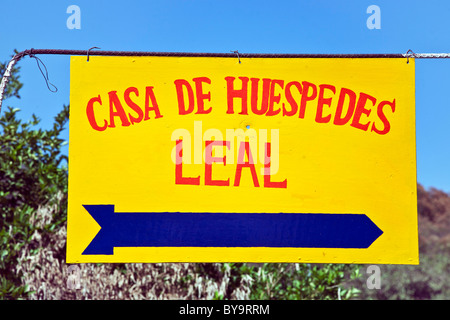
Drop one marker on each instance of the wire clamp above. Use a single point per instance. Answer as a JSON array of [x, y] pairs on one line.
[[409, 54], [89, 51], [237, 52]]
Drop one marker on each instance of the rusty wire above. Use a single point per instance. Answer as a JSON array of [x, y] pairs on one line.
[[33, 52]]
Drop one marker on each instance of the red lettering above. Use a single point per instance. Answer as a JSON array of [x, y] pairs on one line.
[[360, 109], [267, 182], [382, 116], [133, 105], [91, 116], [338, 119], [118, 112], [235, 93], [179, 84], [209, 160], [179, 179], [243, 153], [116, 109], [150, 95], [202, 96], [265, 96], [290, 99], [274, 98], [305, 97], [245, 148], [324, 101]]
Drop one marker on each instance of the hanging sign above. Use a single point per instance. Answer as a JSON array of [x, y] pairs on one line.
[[207, 159]]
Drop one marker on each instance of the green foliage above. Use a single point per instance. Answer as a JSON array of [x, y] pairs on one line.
[[31, 175], [30, 171], [428, 281], [283, 281]]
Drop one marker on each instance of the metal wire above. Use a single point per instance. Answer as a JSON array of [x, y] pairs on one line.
[[409, 54], [197, 54], [45, 75], [33, 52]]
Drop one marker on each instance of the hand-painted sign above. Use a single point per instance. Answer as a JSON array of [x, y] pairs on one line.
[[202, 159]]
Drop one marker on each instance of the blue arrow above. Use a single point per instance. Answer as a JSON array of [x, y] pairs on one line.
[[177, 229]]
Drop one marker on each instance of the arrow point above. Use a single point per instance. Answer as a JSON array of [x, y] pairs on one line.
[[373, 232]]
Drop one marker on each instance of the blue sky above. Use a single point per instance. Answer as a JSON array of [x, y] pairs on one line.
[[321, 26]]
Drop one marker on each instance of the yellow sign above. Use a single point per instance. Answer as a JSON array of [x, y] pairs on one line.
[[205, 159]]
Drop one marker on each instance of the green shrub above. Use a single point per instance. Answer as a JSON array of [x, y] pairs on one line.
[[428, 281], [31, 175], [284, 281]]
